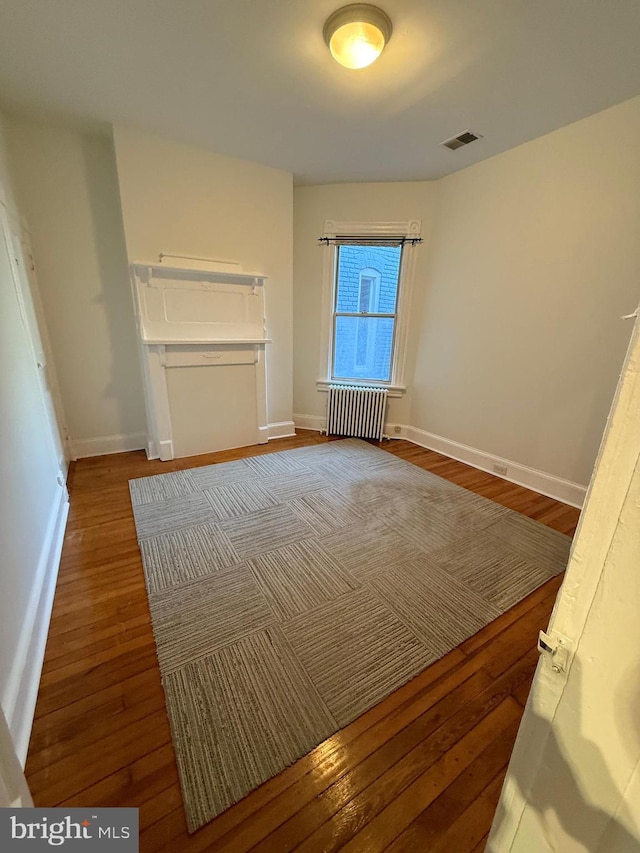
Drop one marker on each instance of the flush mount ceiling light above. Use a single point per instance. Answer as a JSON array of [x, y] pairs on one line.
[[356, 34]]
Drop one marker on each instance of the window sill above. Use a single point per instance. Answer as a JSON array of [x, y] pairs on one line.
[[394, 390]]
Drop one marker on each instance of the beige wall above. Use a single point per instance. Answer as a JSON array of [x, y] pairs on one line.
[[349, 202], [535, 257], [30, 495], [182, 200], [66, 187]]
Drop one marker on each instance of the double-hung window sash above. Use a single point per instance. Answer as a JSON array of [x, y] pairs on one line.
[[365, 304]]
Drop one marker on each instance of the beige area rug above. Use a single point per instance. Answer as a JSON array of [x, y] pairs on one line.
[[290, 592]]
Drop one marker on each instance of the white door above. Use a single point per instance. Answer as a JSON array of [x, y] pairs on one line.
[[573, 783]]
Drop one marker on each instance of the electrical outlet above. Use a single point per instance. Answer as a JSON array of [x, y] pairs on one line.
[[500, 469], [397, 429]]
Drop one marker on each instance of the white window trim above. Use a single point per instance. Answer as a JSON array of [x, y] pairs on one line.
[[408, 228]]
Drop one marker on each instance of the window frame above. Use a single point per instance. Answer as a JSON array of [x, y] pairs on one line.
[[410, 229]]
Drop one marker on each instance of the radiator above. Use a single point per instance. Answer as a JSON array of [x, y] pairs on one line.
[[356, 410]]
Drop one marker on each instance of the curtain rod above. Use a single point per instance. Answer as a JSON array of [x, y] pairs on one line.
[[372, 240]]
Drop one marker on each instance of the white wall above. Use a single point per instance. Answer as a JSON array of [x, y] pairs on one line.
[[534, 259], [349, 202], [66, 187], [32, 501], [178, 199]]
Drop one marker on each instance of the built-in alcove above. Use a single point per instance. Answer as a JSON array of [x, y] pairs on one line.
[[202, 344]]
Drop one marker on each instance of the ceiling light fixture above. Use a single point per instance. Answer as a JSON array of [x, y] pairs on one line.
[[356, 34]]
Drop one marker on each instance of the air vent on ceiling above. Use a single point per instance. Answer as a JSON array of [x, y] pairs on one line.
[[461, 140]]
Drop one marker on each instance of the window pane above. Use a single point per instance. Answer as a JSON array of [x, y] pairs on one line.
[[362, 348], [366, 286], [368, 276]]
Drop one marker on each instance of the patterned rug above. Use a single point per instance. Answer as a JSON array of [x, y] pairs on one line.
[[290, 592]]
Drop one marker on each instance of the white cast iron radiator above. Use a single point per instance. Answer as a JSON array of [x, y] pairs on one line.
[[356, 410]]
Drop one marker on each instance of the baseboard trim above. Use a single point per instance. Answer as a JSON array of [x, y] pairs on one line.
[[531, 478], [24, 679], [282, 429], [82, 448], [313, 422]]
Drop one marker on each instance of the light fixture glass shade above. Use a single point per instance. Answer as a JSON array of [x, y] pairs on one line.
[[356, 34], [356, 45]]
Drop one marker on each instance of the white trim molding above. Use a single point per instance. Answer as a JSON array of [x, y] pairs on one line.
[[282, 429], [409, 228], [531, 478], [19, 700], [102, 445]]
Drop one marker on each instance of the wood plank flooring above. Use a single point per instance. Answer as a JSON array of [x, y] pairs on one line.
[[420, 771]]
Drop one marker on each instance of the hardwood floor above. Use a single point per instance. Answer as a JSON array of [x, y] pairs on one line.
[[420, 771]]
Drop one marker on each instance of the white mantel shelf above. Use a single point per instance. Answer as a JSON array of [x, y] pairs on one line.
[[146, 270], [205, 341]]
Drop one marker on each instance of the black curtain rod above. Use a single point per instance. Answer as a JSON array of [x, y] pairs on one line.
[[358, 239]]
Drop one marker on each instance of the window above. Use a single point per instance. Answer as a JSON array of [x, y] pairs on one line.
[[367, 282], [365, 311]]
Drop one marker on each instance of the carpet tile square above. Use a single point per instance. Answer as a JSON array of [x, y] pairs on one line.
[[356, 651], [299, 578], [266, 530], [197, 617], [183, 555], [241, 715], [172, 514]]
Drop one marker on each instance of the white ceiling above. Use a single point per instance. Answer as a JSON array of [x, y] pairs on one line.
[[253, 78]]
